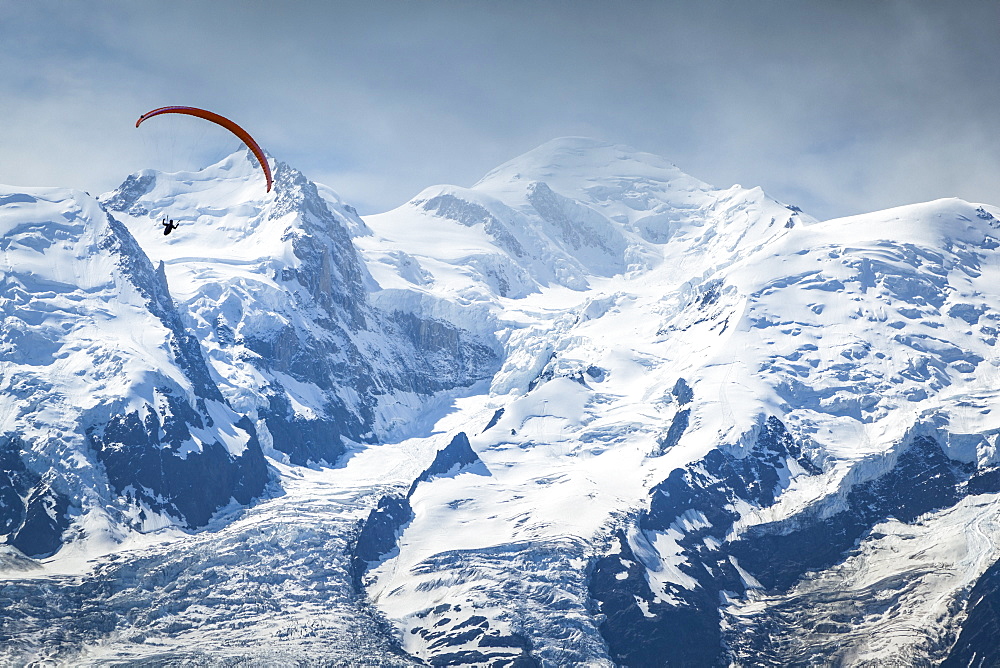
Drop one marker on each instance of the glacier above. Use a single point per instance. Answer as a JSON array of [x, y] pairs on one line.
[[587, 411]]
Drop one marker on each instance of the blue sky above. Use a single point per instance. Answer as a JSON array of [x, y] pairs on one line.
[[838, 107]]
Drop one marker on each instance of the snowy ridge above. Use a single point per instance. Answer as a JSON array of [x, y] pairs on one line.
[[568, 211]]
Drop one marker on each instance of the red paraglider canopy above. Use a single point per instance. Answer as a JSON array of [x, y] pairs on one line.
[[224, 122]]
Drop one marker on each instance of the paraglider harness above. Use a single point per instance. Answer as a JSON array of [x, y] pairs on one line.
[[170, 226]]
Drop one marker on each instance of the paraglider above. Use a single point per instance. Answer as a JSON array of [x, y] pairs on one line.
[[219, 120], [169, 227]]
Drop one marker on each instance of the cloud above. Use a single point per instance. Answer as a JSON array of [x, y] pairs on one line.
[[838, 107]]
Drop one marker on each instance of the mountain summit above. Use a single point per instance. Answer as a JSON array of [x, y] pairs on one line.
[[566, 213]]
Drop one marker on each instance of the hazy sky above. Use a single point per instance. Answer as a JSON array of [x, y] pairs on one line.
[[838, 107]]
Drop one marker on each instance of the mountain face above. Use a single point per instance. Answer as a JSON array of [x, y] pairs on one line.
[[589, 411], [283, 307], [111, 419]]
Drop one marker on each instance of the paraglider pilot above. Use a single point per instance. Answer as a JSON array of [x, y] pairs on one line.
[[170, 226]]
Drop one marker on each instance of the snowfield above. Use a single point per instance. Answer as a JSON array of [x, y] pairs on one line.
[[589, 411]]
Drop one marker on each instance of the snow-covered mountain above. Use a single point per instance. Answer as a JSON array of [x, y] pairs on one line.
[[274, 290], [589, 411], [110, 418], [569, 213]]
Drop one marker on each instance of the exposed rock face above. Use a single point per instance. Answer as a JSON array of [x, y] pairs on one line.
[[379, 533], [452, 459], [977, 642], [145, 463], [694, 510], [33, 516]]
